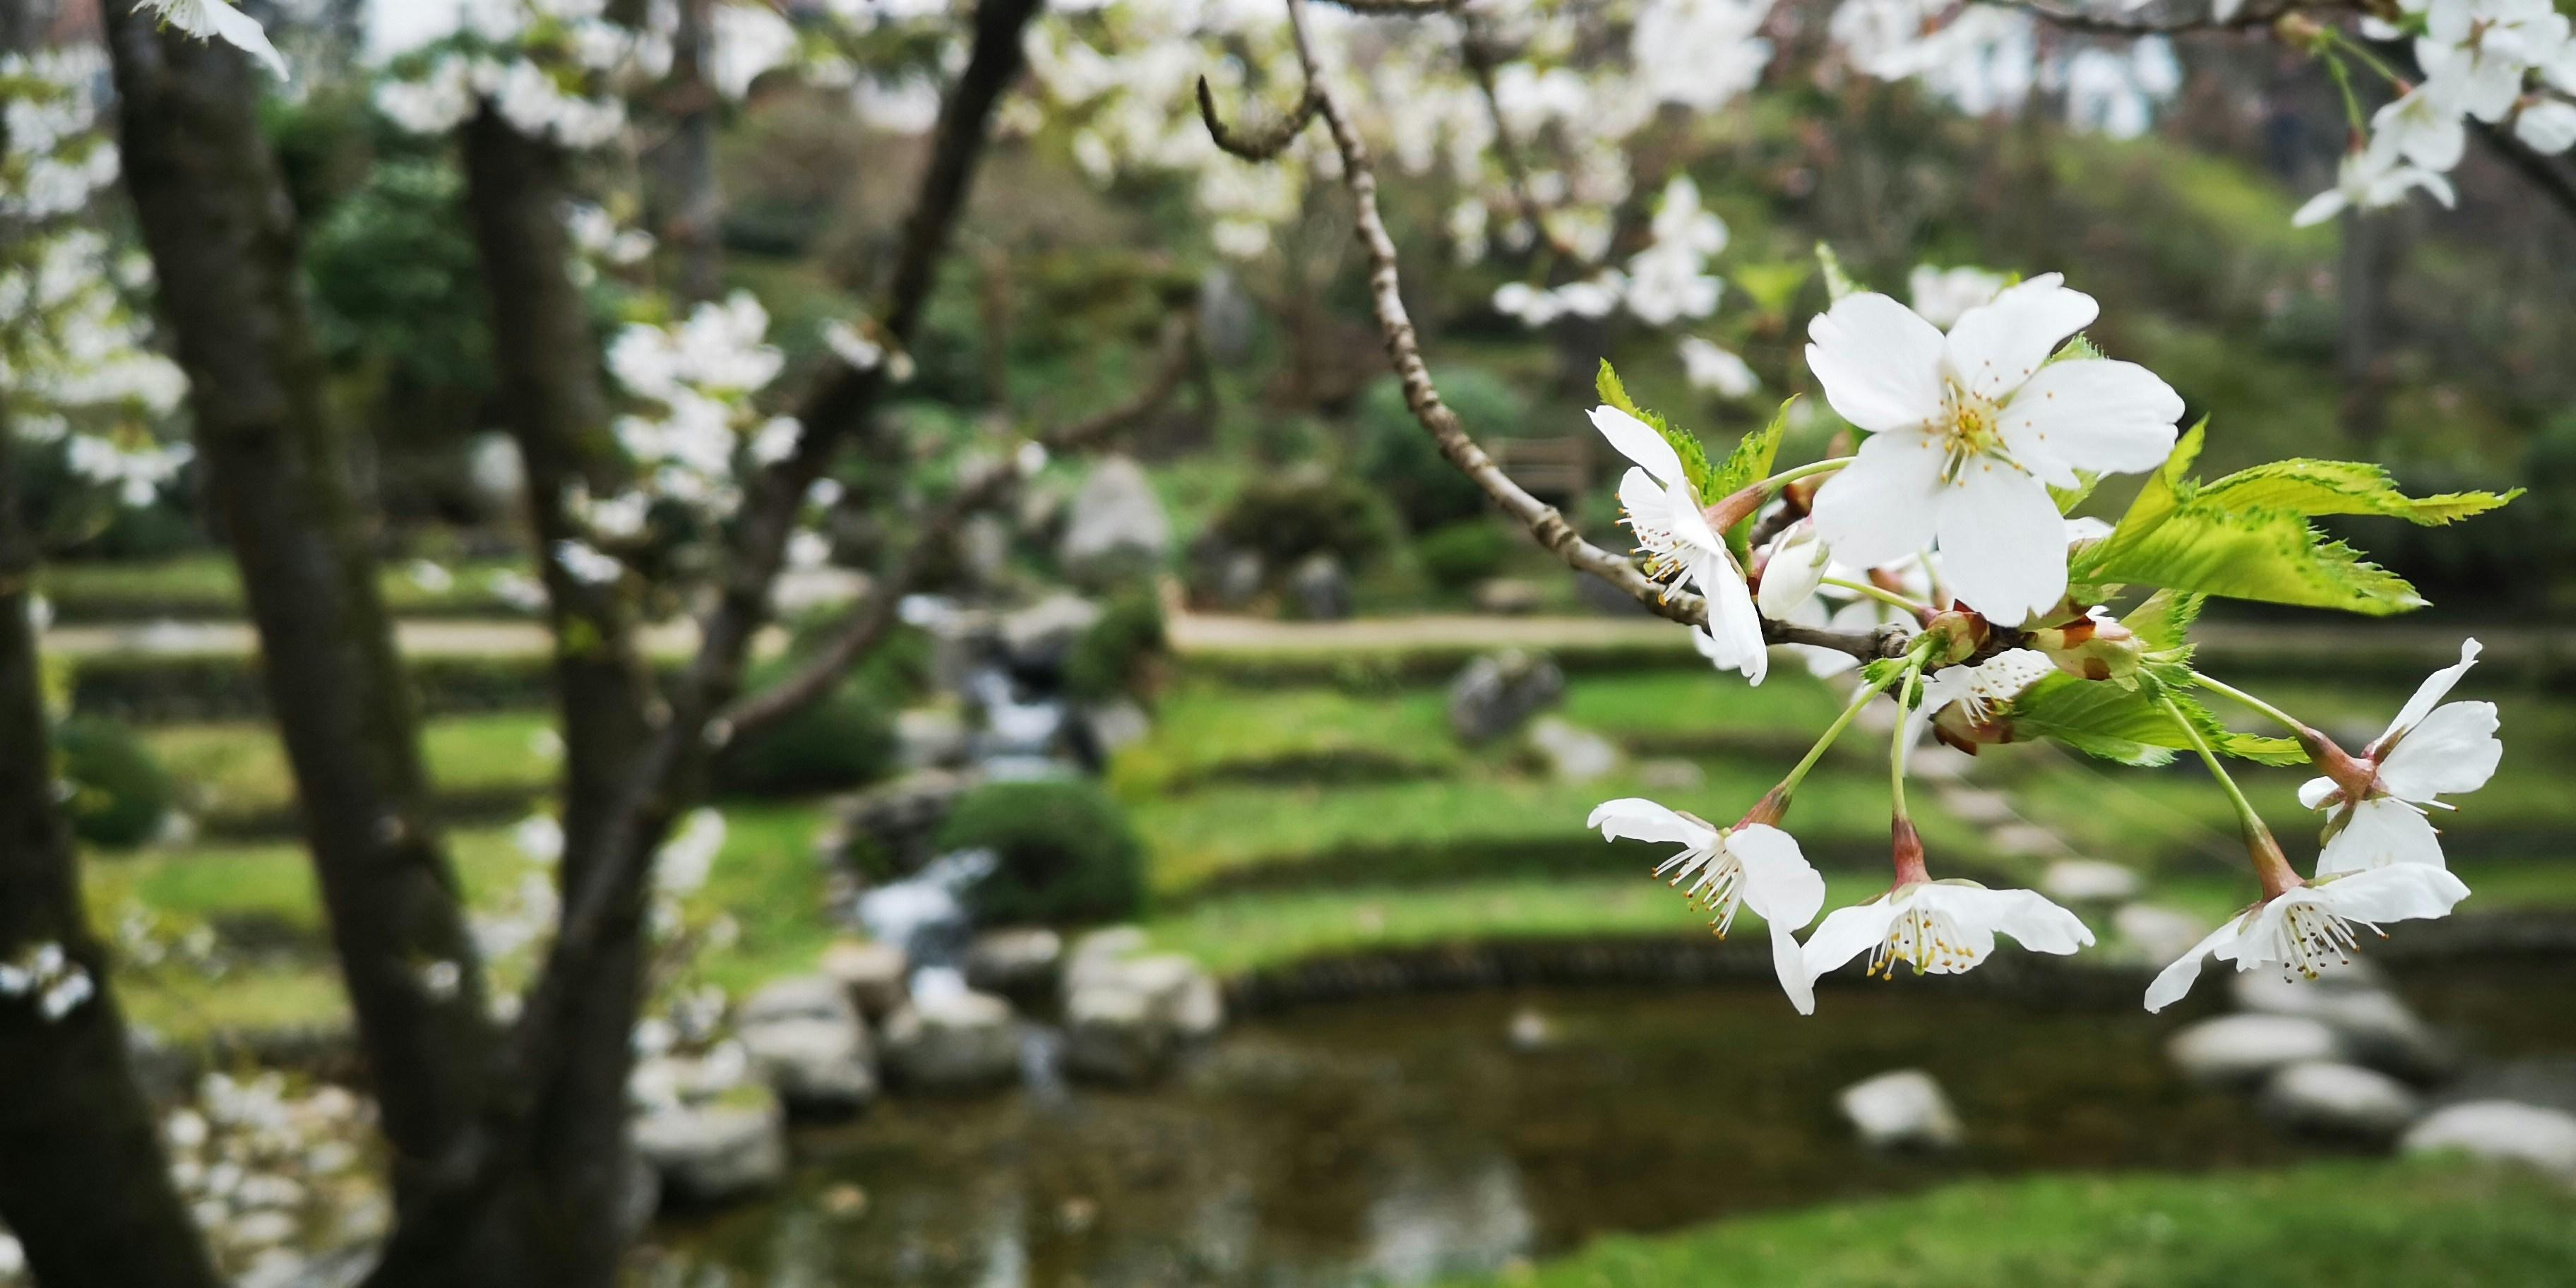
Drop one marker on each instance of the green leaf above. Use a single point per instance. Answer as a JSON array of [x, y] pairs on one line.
[[2079, 349], [1773, 286], [2068, 498], [2131, 726], [2163, 620], [2315, 488], [1750, 462], [2179, 536], [1685, 444], [1837, 282]]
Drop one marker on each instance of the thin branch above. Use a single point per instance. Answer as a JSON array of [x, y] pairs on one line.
[[1476, 50], [1257, 145], [868, 620], [1404, 354], [1398, 8], [2092, 23]]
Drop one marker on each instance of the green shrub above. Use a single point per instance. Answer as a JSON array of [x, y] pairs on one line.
[[1287, 516], [1065, 852], [845, 740], [1403, 463], [1111, 658], [119, 792], [1465, 552]]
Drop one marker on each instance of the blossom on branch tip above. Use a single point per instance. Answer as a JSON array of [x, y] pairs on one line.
[[1968, 431], [2372, 177], [1665, 514], [1937, 927], [1751, 865], [218, 20], [2433, 748], [2309, 926]]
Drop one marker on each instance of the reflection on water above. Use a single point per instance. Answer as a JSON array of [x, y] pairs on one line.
[[1400, 1140]]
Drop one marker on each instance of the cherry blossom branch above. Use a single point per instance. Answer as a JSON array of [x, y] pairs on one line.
[[867, 621], [1262, 144], [1422, 398], [1476, 50], [2091, 23]]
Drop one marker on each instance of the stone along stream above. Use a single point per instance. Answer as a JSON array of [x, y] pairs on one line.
[[1398, 1139]]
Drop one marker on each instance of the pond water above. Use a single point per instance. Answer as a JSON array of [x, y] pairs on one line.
[[1397, 1140]]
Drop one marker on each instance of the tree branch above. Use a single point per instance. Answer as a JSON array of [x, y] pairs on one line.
[[1259, 145], [868, 620], [2549, 174], [2091, 23], [1422, 397]]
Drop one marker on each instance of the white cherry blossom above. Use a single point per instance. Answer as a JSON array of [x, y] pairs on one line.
[[218, 20], [2372, 178], [1751, 865], [2433, 748], [1968, 431], [2425, 125], [2546, 125], [1665, 514], [1717, 370], [1796, 567], [1942, 294], [2310, 926], [1940, 928]]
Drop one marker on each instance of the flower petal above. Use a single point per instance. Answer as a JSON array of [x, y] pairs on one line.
[[2455, 749], [1639, 442], [1634, 818], [242, 31], [1778, 881], [2039, 925], [2176, 979], [1790, 963], [1847, 933], [1883, 506], [2107, 417], [1733, 622], [2398, 892], [2319, 208], [2380, 831], [1879, 361], [1997, 346], [2316, 792], [2436, 687], [2003, 544]]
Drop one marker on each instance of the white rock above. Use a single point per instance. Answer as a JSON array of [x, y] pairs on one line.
[[713, 1152], [1573, 755], [1904, 1109], [2377, 1028], [2242, 1048], [2499, 1129], [2083, 880], [874, 975], [2027, 840], [1116, 528], [2341, 1099], [1015, 961], [956, 1041], [1978, 806], [2157, 933], [798, 997], [1113, 1034], [815, 1065]]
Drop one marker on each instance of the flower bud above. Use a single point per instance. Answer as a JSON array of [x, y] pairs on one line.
[[2092, 647], [1960, 633], [1795, 568]]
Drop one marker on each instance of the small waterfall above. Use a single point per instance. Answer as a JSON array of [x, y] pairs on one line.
[[925, 915]]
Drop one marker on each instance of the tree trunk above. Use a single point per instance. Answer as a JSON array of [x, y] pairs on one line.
[[218, 223], [697, 224], [85, 1185], [579, 1156]]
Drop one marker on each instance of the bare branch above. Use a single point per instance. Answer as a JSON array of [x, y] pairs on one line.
[[1398, 8], [2092, 23], [869, 619], [1259, 145], [2547, 173], [1404, 354]]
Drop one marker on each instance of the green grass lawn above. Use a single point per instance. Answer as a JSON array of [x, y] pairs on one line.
[[766, 878], [2331, 1225], [235, 778], [207, 585]]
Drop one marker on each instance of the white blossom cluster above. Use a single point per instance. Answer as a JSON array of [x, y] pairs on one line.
[[47, 975], [548, 67], [2498, 62], [76, 366], [1986, 59], [268, 1172], [1664, 283]]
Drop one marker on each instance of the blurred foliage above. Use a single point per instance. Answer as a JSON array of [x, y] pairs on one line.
[[1464, 553], [117, 793], [1406, 465], [1115, 656], [1064, 852], [1286, 516]]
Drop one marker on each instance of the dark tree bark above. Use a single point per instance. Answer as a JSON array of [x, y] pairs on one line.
[[218, 223], [84, 1184], [578, 1157], [696, 230]]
